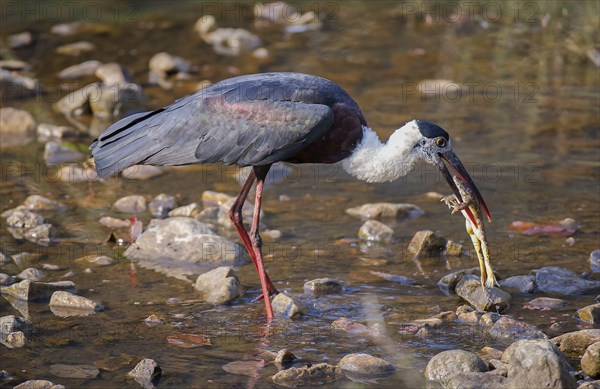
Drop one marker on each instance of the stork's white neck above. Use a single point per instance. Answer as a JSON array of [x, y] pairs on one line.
[[373, 161]]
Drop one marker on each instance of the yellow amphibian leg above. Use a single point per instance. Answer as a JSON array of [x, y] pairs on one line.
[[477, 246]]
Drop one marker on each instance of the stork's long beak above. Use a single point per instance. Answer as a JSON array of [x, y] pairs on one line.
[[452, 159]]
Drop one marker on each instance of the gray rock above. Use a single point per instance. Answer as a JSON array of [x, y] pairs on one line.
[[226, 41], [189, 240], [131, 204], [49, 132], [589, 385], [474, 380], [443, 366], [83, 69], [190, 210], [595, 260], [507, 327], [74, 371], [4, 259], [17, 127], [12, 330], [524, 284], [24, 218], [162, 205], [114, 223], [394, 278], [112, 74], [590, 314], [319, 374], [547, 303], [95, 260], [285, 306], [365, 365], [448, 282], [483, 299], [590, 362], [14, 86], [284, 357], [77, 101], [147, 373], [41, 234], [22, 39], [554, 279], [55, 154], [28, 290], [111, 102], [6, 280], [73, 173], [426, 243], [40, 203], [219, 286], [385, 211], [143, 172], [76, 49], [38, 384], [323, 286], [32, 274], [537, 363], [66, 304], [376, 231], [574, 344]]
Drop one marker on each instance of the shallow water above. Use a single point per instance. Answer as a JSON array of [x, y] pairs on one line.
[[527, 129]]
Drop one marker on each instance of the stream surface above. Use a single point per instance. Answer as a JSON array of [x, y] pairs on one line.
[[526, 126]]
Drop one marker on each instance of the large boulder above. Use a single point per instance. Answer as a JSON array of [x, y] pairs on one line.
[[443, 366], [537, 363], [554, 279], [185, 239]]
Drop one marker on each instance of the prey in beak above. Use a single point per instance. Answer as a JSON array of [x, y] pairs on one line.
[[452, 159]]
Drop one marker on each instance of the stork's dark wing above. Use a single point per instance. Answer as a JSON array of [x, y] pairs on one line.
[[219, 125]]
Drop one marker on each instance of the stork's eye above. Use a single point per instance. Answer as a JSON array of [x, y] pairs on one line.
[[440, 142]]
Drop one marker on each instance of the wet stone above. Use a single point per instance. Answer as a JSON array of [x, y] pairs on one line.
[[74, 371], [38, 384], [426, 243], [509, 328], [590, 362], [219, 286], [12, 330], [248, 368], [537, 363], [190, 241], [17, 127], [49, 132], [131, 204], [323, 286], [473, 380], [574, 344], [112, 74], [547, 303], [96, 260], [76, 49], [554, 279], [55, 154], [31, 274], [365, 365], [190, 210], [74, 173], [284, 357], [491, 353], [523, 284], [318, 374], [41, 203], [114, 223], [153, 320], [147, 373], [83, 69], [595, 260], [446, 364], [6, 280], [590, 314], [41, 234], [385, 211], [285, 306], [162, 205], [22, 39], [394, 278], [63, 299], [143, 172], [453, 249], [483, 299], [28, 290], [376, 231], [589, 384], [23, 218], [449, 281]]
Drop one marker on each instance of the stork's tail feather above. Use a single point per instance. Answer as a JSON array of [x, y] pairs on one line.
[[122, 144]]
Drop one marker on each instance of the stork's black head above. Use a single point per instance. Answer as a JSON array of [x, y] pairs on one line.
[[434, 146]]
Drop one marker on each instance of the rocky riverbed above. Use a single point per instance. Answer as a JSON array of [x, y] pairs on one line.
[[140, 279]]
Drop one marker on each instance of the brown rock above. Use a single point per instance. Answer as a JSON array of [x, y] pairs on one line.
[[426, 243], [17, 127], [591, 313], [574, 344], [590, 362]]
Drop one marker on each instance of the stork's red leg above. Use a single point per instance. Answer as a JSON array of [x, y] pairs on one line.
[[261, 174], [235, 215]]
